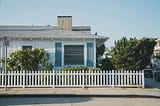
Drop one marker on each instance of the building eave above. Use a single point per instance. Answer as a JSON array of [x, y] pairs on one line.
[[100, 41], [157, 39], [47, 33]]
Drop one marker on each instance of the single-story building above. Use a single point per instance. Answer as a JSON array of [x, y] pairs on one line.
[[67, 45]]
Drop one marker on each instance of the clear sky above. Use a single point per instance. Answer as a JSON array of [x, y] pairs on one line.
[[112, 18]]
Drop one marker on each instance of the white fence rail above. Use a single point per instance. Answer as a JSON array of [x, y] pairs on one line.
[[72, 79]]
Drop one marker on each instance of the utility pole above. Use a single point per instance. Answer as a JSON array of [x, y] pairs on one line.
[[5, 43]]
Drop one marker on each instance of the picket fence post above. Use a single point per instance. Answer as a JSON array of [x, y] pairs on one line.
[[143, 84], [113, 78], [83, 80], [53, 79], [24, 79]]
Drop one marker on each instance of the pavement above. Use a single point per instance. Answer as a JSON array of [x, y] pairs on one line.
[[151, 83], [78, 101], [81, 92]]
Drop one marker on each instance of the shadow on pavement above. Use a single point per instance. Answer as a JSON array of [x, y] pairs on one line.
[[41, 100]]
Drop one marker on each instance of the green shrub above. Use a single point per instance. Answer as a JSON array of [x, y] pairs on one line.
[[80, 69], [29, 60]]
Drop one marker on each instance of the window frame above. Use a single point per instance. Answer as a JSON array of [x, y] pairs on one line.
[[27, 46], [84, 54]]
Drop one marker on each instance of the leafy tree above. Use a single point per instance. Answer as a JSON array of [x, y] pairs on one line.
[[100, 50], [36, 59], [106, 64], [156, 56], [132, 54]]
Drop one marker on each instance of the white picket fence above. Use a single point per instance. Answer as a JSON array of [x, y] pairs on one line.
[[72, 79]]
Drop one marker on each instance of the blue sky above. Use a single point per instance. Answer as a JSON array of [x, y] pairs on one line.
[[113, 18]]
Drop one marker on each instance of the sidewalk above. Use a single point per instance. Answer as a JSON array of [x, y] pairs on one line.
[[81, 92]]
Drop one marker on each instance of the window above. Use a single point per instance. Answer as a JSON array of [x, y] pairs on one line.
[[73, 55], [26, 47]]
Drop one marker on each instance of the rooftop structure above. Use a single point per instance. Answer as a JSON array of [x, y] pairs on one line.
[[157, 47]]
